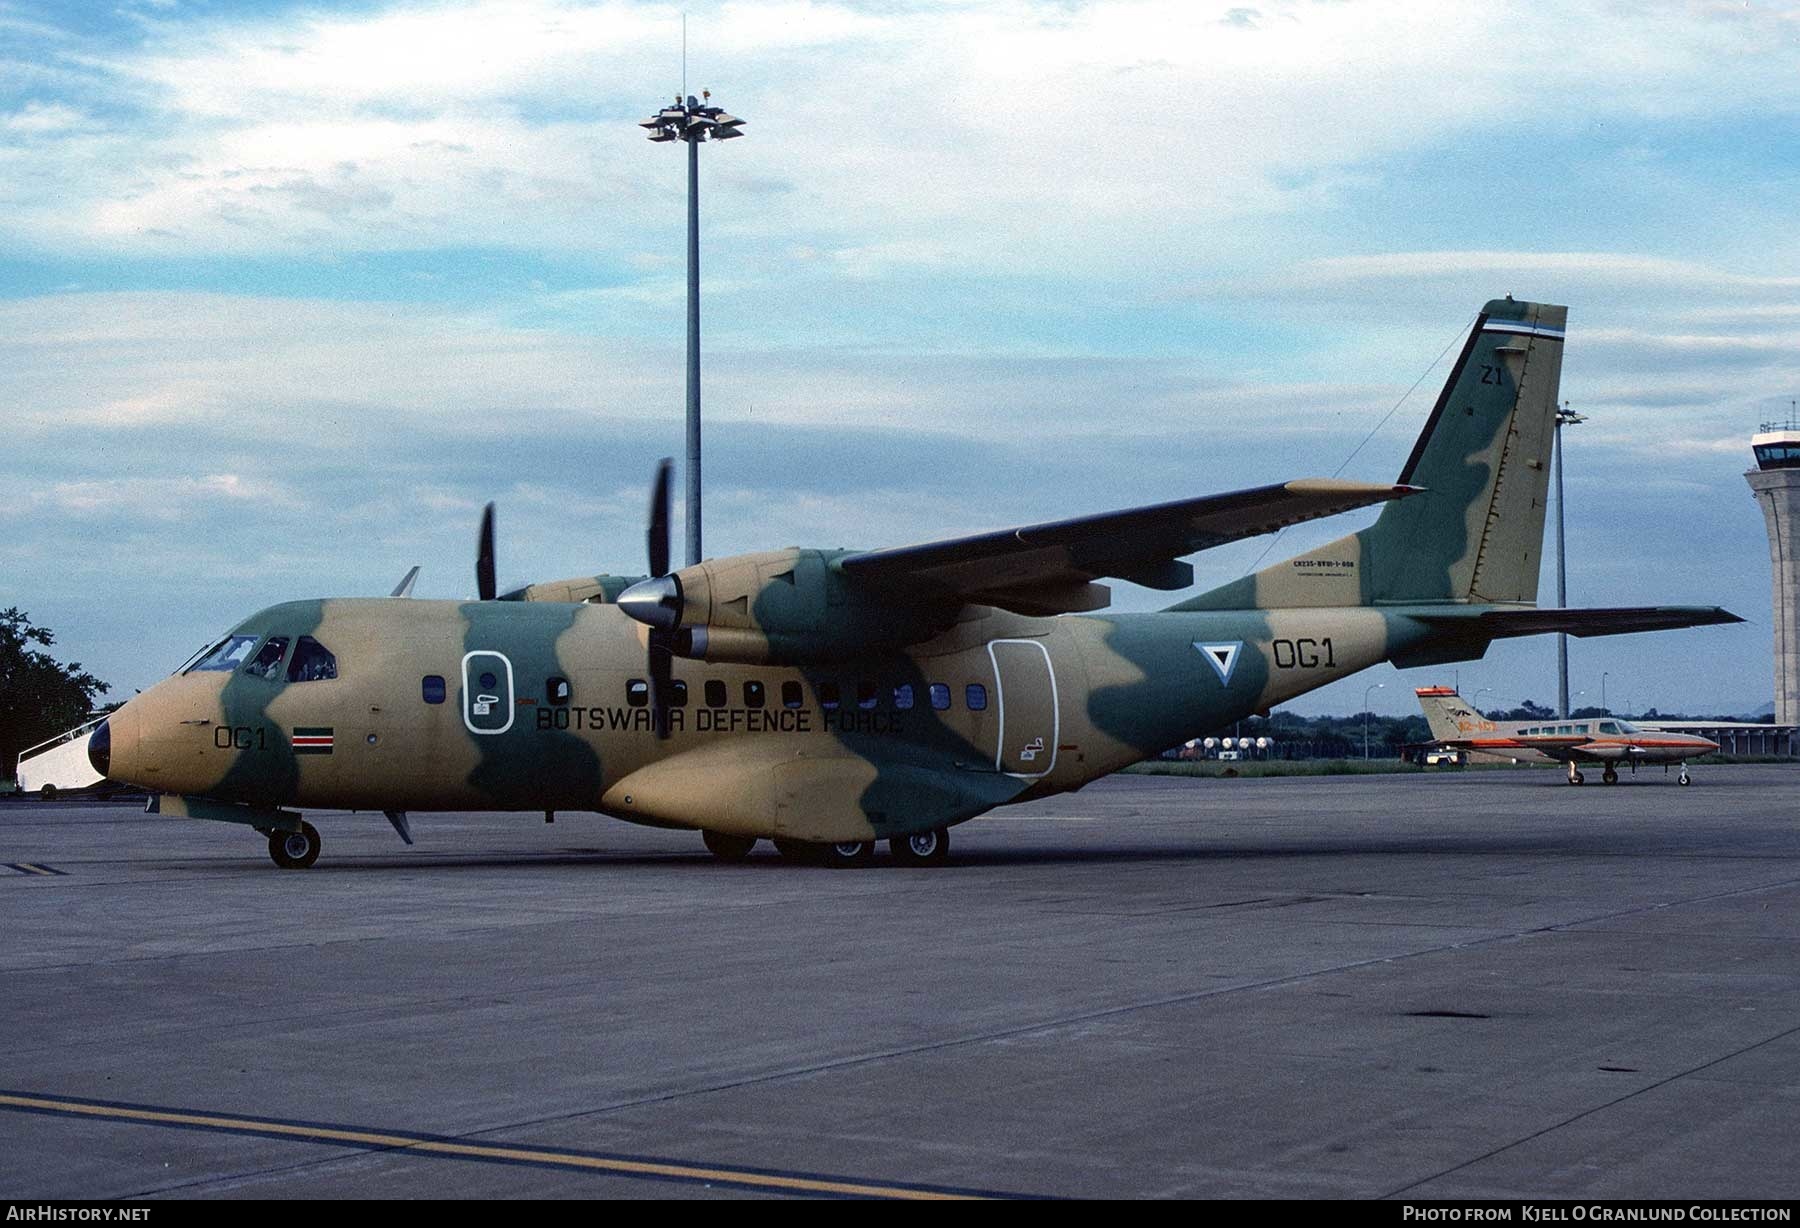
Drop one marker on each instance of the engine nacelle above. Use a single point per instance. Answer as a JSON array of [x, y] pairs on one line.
[[784, 607], [592, 590]]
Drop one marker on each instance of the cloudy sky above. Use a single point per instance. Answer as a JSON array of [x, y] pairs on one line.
[[287, 291]]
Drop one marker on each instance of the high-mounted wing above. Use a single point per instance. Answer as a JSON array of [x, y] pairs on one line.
[[1050, 568]]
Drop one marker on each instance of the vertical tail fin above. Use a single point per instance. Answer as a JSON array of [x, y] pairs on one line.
[[1446, 712], [1477, 533]]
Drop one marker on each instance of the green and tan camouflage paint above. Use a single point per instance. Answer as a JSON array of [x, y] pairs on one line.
[[1070, 698]]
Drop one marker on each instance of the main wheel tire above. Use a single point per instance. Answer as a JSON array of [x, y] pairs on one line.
[[925, 848], [800, 852], [1577, 779], [848, 854], [1610, 776], [295, 850], [727, 847], [48, 793]]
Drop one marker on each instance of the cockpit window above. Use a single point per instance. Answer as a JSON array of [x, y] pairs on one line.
[[267, 662], [1609, 727], [312, 661], [227, 655]]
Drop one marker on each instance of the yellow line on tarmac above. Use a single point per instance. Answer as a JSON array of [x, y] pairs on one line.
[[479, 1151]]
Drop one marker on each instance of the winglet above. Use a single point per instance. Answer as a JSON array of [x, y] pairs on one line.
[[404, 588]]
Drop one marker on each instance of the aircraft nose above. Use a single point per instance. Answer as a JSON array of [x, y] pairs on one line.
[[100, 748], [655, 602], [113, 746]]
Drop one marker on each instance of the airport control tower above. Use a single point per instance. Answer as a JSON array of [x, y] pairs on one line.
[[1776, 481]]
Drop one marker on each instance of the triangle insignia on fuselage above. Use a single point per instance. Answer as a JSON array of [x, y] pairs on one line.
[[1222, 657]]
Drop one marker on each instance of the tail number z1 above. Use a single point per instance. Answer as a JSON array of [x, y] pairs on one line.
[[1304, 654]]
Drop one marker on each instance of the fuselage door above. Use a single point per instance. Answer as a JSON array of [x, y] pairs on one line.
[[1025, 694], [487, 692]]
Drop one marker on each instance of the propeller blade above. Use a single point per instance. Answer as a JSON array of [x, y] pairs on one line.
[[484, 556], [662, 664], [659, 519], [662, 658]]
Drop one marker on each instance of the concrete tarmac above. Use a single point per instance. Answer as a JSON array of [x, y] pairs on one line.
[[1481, 984]]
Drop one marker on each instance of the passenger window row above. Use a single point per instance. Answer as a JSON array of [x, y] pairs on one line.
[[831, 696], [866, 695]]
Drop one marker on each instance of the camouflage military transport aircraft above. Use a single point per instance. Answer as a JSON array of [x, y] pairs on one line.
[[1608, 741], [830, 699]]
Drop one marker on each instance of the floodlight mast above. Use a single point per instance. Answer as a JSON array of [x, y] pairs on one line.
[[1564, 417], [693, 121]]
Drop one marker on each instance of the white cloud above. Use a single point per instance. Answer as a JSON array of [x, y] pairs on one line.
[[1013, 135]]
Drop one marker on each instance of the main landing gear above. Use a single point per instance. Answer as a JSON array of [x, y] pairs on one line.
[[1610, 775], [295, 850], [727, 847], [928, 848]]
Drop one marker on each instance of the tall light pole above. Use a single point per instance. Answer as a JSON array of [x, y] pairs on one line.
[[1373, 687], [693, 122], [1564, 416], [1476, 702], [1604, 711]]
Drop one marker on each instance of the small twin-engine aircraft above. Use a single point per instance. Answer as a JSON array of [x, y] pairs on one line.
[[1608, 740], [828, 699]]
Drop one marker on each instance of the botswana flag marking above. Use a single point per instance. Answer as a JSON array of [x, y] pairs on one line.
[[312, 740]]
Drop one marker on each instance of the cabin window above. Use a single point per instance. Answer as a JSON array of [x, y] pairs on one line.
[[828, 696], [677, 693], [975, 695], [754, 695], [940, 696], [431, 688], [867, 694], [715, 693], [637, 692], [227, 656], [903, 696], [312, 662], [557, 692], [792, 696], [267, 663]]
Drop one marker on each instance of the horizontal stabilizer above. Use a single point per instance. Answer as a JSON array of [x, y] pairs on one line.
[[1617, 620]]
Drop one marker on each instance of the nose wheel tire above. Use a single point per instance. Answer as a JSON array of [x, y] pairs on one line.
[[925, 848], [1683, 779], [295, 850], [727, 847], [1576, 778]]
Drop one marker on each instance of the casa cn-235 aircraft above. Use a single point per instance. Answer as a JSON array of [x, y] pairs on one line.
[[1607, 740], [830, 699]]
